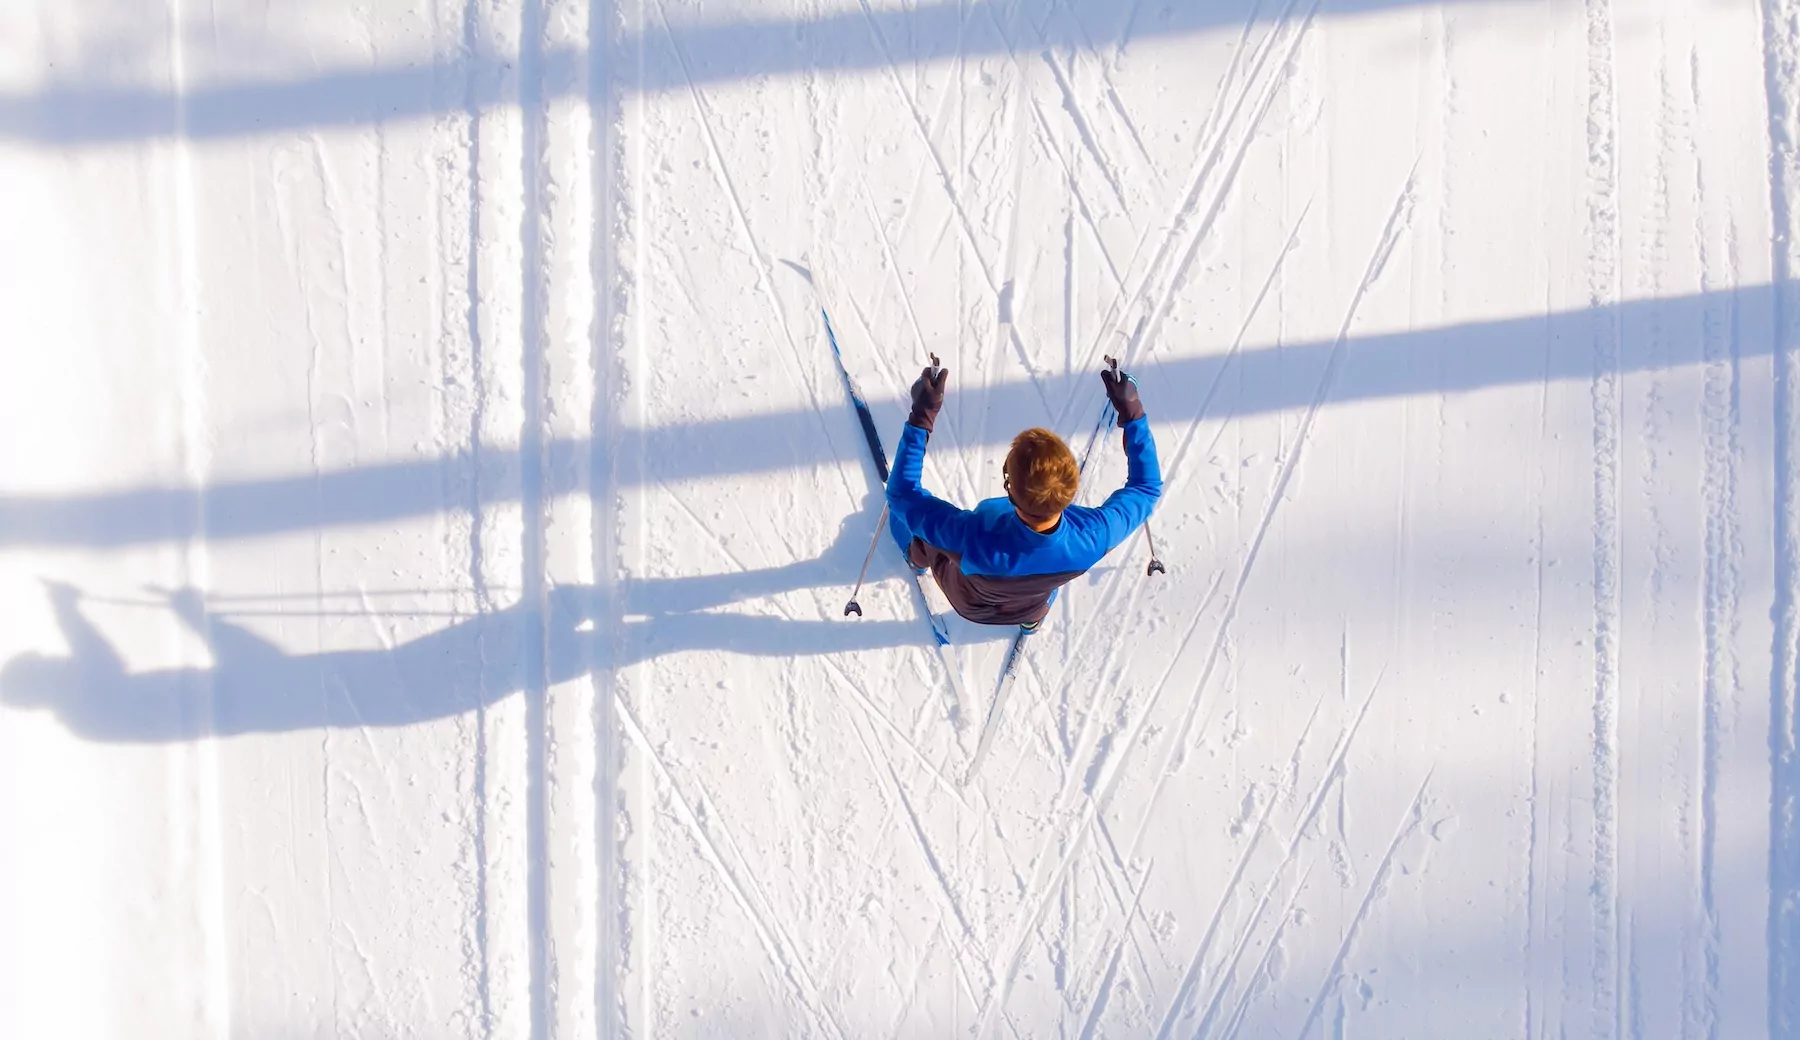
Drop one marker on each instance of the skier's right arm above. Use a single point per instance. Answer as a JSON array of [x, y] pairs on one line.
[[936, 521]]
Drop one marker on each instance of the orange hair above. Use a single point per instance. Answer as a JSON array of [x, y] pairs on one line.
[[1041, 474]]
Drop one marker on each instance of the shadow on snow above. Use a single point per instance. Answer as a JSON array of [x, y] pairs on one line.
[[254, 686], [927, 33], [1655, 335]]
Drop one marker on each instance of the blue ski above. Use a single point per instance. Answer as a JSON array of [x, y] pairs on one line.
[[940, 632]]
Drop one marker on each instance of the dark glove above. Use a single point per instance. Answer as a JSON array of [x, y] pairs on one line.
[[1121, 390], [927, 398]]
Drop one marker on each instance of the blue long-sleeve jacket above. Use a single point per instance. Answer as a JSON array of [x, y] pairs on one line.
[[993, 567]]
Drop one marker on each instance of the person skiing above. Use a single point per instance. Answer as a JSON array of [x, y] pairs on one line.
[[1003, 562]]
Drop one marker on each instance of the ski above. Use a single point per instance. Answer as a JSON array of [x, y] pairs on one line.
[[1009, 667], [940, 632]]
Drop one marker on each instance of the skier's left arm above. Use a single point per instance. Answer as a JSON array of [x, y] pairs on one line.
[[1125, 509]]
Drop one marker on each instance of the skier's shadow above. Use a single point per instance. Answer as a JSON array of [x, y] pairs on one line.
[[254, 686], [837, 565]]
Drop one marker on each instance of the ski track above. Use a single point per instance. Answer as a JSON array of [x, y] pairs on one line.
[[1204, 411], [964, 223], [869, 709], [1109, 770], [1228, 971], [1535, 889], [1262, 963], [1328, 780], [1102, 609], [1604, 291], [912, 990], [1203, 231], [1781, 85], [764, 275], [1398, 221], [480, 811], [611, 180], [774, 942], [970, 484], [906, 300], [1238, 1013], [196, 462], [1212, 149], [1113, 873], [1721, 672], [1226, 897], [1113, 101], [945, 888], [1007, 300], [1085, 132], [1047, 139], [1110, 90], [1409, 822], [1088, 816], [535, 176], [865, 868], [1103, 989]]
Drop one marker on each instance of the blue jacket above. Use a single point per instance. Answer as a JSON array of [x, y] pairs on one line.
[[1013, 567]]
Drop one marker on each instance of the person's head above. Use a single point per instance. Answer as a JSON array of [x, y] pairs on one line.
[[1041, 476]]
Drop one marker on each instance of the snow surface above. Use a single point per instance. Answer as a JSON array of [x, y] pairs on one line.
[[427, 504]]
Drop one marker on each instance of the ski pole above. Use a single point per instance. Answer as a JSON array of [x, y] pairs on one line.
[[1156, 565], [854, 607]]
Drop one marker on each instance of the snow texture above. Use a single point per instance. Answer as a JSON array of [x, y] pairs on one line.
[[427, 504]]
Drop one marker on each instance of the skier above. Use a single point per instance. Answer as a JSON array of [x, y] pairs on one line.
[[1003, 562]]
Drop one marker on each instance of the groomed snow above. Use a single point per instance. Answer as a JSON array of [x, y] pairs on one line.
[[427, 505]]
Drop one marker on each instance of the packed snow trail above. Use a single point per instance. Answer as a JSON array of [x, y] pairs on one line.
[[428, 505]]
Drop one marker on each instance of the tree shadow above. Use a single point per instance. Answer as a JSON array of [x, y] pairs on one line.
[[1662, 334], [88, 110]]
